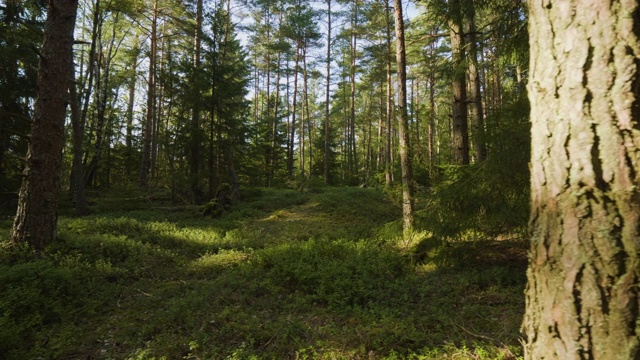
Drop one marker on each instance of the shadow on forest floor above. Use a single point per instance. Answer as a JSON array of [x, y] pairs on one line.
[[283, 275]]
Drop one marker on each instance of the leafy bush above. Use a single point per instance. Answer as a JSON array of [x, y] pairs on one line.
[[340, 274], [38, 297]]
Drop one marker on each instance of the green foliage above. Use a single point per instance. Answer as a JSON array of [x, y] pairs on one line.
[[341, 275], [284, 274], [489, 198], [21, 25]]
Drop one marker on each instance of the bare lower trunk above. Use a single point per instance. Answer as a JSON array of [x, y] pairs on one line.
[[403, 128], [582, 298], [36, 217]]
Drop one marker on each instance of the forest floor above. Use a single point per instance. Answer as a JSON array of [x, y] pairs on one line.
[[322, 274]]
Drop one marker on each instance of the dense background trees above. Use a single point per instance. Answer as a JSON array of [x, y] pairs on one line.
[[200, 100], [187, 96], [190, 95]]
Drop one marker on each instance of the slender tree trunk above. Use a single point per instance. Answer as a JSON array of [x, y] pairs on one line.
[[582, 296], [459, 87], [165, 48], [307, 111], [432, 112], [369, 153], [131, 100], [103, 92], [327, 118], [403, 128], [475, 97], [274, 125], [415, 101], [387, 155], [353, 156], [77, 135], [92, 69], [194, 161], [36, 217], [381, 125], [145, 165], [293, 114]]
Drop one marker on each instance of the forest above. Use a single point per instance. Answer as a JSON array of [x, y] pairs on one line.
[[306, 179]]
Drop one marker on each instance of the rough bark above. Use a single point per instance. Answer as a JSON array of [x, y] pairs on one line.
[[582, 295], [403, 127], [459, 89], [36, 217]]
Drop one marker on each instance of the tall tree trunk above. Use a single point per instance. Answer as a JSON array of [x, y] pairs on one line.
[[293, 115], [582, 296], [353, 156], [145, 164], [368, 153], [102, 90], [88, 80], [132, 95], [474, 96], [165, 48], [274, 125], [194, 161], [403, 128], [432, 110], [459, 88], [388, 178], [327, 118], [77, 136], [308, 115], [415, 107], [36, 217], [381, 125]]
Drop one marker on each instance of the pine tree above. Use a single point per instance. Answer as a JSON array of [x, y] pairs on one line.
[[582, 299], [36, 218]]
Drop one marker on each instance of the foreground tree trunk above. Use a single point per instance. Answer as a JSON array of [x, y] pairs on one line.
[[36, 218], [582, 295], [403, 127]]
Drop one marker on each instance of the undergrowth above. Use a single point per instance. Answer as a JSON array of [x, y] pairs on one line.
[[283, 275]]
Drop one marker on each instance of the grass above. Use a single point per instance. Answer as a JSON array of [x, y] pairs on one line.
[[284, 275]]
